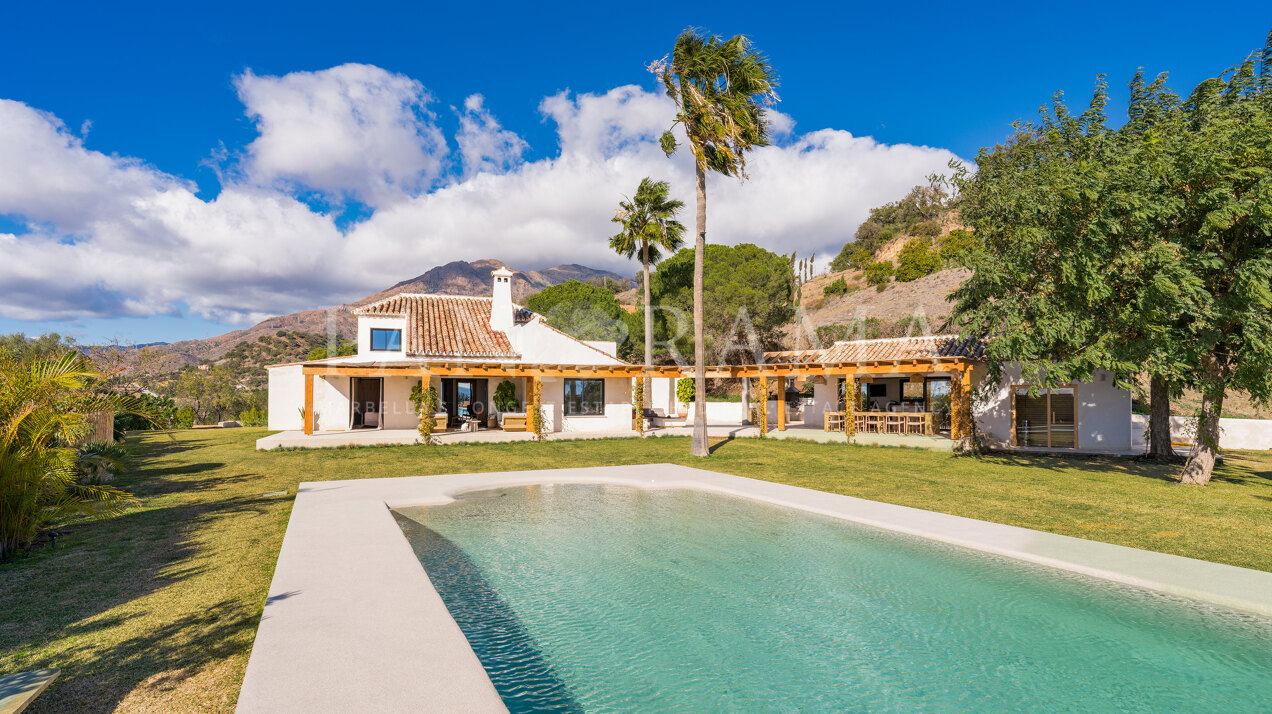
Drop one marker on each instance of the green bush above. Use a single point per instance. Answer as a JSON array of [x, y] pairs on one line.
[[184, 418], [879, 274], [161, 407], [253, 417], [916, 260], [685, 390], [853, 256], [931, 229], [838, 287], [506, 397], [955, 247]]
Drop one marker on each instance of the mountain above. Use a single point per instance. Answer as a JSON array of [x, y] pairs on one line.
[[455, 278]]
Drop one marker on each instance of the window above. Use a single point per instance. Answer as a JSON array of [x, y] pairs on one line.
[[386, 340], [1046, 418], [584, 397]]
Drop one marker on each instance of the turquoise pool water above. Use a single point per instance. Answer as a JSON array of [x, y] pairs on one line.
[[604, 598]]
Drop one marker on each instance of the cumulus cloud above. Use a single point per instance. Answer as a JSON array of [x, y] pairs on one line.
[[484, 145], [355, 130], [111, 236]]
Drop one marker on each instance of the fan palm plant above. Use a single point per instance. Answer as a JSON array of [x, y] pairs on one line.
[[720, 88], [44, 408], [651, 229]]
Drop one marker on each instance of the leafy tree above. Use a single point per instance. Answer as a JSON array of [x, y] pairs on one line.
[[348, 349], [879, 274], [720, 88], [954, 247], [22, 348], [650, 229], [741, 284], [586, 312], [852, 256], [1142, 249], [837, 287], [916, 260]]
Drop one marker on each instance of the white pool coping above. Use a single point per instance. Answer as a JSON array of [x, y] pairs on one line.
[[352, 622]]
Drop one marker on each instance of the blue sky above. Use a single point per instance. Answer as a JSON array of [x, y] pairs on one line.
[[159, 86]]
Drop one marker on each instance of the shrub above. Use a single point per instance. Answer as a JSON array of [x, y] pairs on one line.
[[253, 417], [852, 256], [426, 402], [931, 229], [879, 274], [685, 390], [916, 260], [838, 287], [163, 409], [184, 418], [955, 247], [506, 396]]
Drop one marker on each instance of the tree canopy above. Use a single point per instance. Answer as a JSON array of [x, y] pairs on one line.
[[588, 312], [1139, 249], [741, 283]]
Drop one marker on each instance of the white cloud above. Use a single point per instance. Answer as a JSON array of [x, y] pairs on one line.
[[112, 236], [353, 130], [483, 144]]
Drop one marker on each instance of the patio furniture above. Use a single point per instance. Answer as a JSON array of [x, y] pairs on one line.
[[895, 423], [833, 421], [439, 421], [514, 421]]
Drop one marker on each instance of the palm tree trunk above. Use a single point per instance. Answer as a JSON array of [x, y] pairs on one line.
[[649, 322], [698, 446], [1159, 441]]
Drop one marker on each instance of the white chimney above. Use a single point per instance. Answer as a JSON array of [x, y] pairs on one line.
[[501, 301]]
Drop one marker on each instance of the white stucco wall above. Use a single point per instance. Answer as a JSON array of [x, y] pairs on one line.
[[1233, 433], [286, 397], [1103, 412], [538, 343]]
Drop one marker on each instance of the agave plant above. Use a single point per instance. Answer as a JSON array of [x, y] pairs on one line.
[[44, 408]]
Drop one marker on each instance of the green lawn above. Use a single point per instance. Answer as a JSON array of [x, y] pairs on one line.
[[156, 609]]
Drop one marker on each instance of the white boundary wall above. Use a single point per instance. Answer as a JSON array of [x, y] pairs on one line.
[[1233, 433]]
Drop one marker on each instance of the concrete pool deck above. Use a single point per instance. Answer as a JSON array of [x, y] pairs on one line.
[[352, 622]]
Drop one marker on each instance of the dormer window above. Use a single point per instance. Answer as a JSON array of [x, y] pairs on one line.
[[384, 340]]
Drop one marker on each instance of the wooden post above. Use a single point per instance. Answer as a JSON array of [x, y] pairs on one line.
[[850, 405], [781, 403], [309, 404], [961, 404], [763, 410], [966, 415]]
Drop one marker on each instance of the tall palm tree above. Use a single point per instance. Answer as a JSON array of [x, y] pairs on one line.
[[650, 228], [721, 88]]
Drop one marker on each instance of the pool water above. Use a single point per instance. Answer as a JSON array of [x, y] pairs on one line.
[[607, 598]]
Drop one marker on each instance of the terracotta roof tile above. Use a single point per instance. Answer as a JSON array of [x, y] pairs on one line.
[[447, 325], [885, 350]]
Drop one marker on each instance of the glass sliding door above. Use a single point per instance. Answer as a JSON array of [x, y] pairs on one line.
[[1046, 418], [938, 402]]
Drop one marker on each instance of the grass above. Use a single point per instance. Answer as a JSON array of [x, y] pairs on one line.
[[156, 610]]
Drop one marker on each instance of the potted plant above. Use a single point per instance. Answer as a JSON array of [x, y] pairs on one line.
[[684, 395]]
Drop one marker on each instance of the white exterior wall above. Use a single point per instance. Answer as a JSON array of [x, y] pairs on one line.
[[365, 324], [538, 343], [1233, 433], [1103, 412], [286, 397]]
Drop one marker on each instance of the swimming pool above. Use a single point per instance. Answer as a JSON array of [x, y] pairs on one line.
[[612, 598]]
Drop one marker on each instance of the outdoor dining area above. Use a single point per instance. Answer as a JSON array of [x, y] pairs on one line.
[[881, 422]]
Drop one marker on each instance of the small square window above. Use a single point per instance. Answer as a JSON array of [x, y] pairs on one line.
[[383, 340], [584, 397]]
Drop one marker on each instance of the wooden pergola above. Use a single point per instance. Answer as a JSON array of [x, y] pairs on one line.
[[960, 368]]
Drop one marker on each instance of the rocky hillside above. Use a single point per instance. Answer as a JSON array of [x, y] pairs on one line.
[[455, 278]]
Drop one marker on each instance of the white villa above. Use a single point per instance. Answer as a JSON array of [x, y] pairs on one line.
[[915, 388]]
